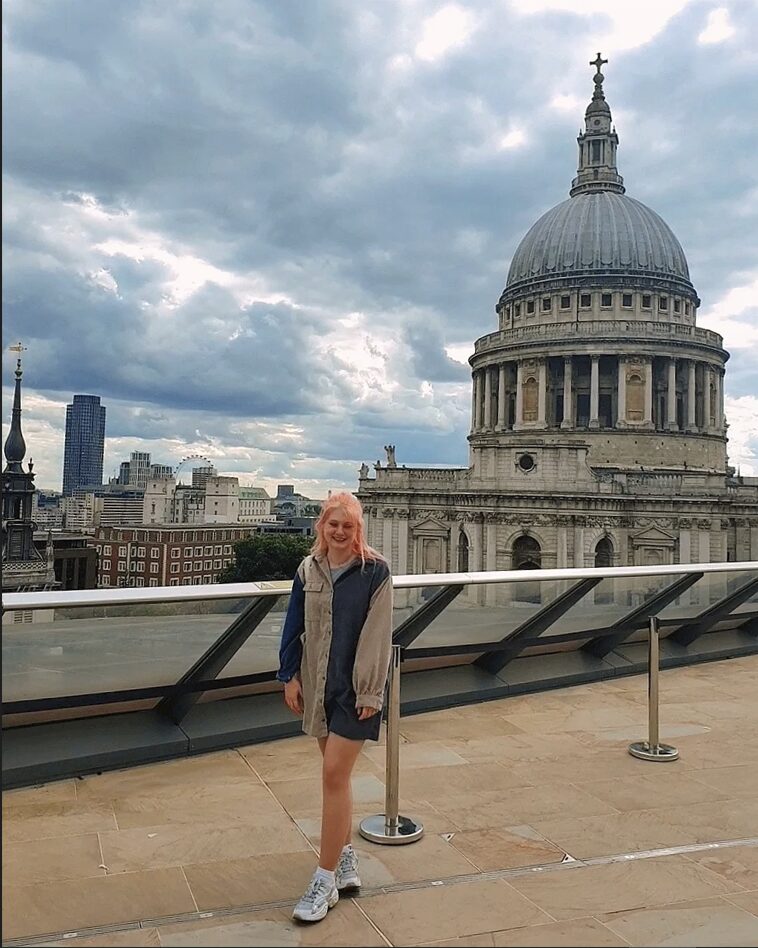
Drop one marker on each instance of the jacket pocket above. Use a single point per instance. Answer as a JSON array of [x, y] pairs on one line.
[[313, 585]]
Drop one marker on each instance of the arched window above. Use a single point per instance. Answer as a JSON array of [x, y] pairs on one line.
[[462, 552], [604, 559], [604, 553], [527, 554]]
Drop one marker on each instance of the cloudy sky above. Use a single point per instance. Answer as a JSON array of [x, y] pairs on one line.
[[268, 233]]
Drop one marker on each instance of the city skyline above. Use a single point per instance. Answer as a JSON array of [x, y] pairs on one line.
[[288, 313]]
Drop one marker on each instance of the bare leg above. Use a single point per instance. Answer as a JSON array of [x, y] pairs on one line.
[[340, 755], [349, 836]]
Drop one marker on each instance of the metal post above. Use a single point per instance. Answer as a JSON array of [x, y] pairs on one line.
[[652, 749], [389, 827]]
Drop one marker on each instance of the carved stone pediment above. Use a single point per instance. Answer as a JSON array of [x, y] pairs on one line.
[[430, 528], [653, 536]]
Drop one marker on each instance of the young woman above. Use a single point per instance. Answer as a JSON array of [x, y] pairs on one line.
[[334, 657]]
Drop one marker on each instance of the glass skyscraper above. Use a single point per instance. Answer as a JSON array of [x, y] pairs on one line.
[[85, 441]]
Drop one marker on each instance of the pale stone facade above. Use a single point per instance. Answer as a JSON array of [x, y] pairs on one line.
[[598, 434], [217, 501], [255, 505]]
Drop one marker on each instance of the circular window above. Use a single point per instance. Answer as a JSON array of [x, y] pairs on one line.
[[596, 122], [526, 462]]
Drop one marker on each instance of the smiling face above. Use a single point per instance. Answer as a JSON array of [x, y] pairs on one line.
[[339, 533]]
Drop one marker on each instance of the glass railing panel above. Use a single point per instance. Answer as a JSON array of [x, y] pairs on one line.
[[609, 602], [261, 651], [749, 607], [707, 592], [488, 612], [87, 650]]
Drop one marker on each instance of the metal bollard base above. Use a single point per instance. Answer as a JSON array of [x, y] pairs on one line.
[[377, 829], [645, 751]]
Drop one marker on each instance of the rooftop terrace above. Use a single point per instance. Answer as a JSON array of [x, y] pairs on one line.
[[540, 830]]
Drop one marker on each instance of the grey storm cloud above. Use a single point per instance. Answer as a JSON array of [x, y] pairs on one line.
[[211, 355], [277, 139], [429, 360]]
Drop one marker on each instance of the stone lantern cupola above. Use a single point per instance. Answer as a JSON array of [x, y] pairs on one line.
[[597, 145]]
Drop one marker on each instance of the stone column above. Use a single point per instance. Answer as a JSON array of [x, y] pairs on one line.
[[482, 376], [475, 594], [387, 536], [487, 398], [594, 391], [704, 541], [474, 389], [519, 420], [501, 398], [562, 562], [402, 543], [707, 381], [491, 540], [568, 394], [648, 420], [542, 393], [578, 542], [491, 591], [685, 545], [753, 555], [621, 413], [691, 389], [671, 397], [480, 401], [720, 402], [685, 555], [475, 550]]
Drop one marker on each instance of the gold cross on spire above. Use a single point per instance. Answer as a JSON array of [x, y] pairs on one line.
[[17, 348], [598, 62]]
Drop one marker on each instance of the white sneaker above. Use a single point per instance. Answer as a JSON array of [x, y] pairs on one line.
[[318, 899], [346, 873]]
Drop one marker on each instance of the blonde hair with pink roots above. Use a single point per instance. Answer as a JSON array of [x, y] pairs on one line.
[[352, 507]]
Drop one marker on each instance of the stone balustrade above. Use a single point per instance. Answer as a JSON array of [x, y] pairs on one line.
[[625, 329]]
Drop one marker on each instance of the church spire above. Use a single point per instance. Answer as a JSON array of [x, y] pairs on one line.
[[597, 144], [15, 446]]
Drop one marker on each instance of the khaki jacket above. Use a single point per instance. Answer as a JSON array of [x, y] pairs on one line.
[[345, 634]]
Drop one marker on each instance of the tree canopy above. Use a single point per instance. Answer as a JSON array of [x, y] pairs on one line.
[[266, 556]]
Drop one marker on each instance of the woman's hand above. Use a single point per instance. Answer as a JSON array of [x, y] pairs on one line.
[[293, 695], [365, 713]]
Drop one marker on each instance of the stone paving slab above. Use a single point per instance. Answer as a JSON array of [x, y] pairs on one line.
[[541, 830]]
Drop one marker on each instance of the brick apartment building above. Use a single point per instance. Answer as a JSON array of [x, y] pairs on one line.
[[165, 554]]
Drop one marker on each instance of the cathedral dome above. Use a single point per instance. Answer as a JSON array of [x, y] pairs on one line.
[[599, 236], [603, 233]]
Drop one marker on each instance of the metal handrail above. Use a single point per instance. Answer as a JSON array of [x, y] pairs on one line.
[[69, 599]]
